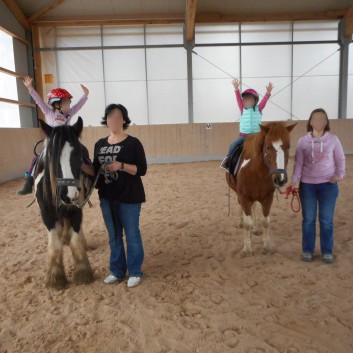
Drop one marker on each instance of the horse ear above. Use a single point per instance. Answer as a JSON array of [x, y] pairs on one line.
[[45, 127], [264, 128], [78, 126], [290, 127]]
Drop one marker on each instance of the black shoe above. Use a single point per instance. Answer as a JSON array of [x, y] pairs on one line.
[[27, 186], [225, 164]]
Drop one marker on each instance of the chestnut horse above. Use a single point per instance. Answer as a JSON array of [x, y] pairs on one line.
[[262, 169]]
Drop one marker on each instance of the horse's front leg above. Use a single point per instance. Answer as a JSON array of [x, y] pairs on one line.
[[66, 232], [266, 236], [83, 271], [248, 223], [56, 277], [266, 225], [255, 225], [241, 218]]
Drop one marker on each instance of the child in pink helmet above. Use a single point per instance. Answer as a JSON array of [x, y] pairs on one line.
[[57, 113], [251, 115]]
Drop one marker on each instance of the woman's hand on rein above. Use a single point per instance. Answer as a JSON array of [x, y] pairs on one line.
[[293, 185], [114, 166]]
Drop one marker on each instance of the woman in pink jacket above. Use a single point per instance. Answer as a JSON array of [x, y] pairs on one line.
[[319, 165]]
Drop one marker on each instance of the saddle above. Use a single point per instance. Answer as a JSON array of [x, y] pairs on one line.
[[235, 159]]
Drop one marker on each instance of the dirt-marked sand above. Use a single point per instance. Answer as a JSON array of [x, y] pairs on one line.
[[198, 294]]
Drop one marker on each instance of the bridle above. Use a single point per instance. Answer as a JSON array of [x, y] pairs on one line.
[[62, 182], [267, 161]]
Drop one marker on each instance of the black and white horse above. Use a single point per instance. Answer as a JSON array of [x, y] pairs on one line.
[[58, 189]]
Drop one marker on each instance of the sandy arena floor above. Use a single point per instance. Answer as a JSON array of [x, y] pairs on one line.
[[198, 294]]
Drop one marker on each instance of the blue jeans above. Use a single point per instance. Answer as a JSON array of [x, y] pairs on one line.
[[313, 197], [236, 143], [126, 218]]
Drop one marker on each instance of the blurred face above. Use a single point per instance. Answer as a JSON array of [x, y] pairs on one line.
[[115, 120], [248, 101], [65, 105], [318, 121]]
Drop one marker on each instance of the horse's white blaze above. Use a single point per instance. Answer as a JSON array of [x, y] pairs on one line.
[[245, 162], [37, 180], [72, 191], [280, 156]]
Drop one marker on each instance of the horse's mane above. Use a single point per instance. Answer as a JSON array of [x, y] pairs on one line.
[[55, 143], [254, 144]]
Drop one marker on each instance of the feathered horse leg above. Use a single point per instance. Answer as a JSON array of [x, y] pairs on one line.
[[83, 271], [56, 277]]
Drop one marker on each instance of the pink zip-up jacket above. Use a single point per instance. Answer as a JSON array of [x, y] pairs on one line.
[[317, 159], [55, 117]]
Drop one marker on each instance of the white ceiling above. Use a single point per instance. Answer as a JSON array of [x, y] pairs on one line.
[[118, 7]]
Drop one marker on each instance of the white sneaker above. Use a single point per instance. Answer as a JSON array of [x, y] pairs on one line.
[[111, 279], [133, 281]]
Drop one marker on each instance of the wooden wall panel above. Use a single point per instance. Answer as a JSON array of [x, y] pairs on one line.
[[162, 143]]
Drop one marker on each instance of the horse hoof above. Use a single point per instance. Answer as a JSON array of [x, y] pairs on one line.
[[268, 250], [56, 280], [246, 253], [83, 275], [240, 225], [257, 232]]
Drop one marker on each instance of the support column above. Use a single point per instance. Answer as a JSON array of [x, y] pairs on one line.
[[343, 72], [189, 45]]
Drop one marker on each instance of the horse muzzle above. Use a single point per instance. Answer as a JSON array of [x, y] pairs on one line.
[[279, 178], [69, 190], [70, 199]]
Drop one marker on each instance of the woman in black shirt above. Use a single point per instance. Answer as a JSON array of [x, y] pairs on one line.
[[121, 193]]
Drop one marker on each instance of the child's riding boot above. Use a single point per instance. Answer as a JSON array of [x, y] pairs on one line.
[[27, 186], [225, 164]]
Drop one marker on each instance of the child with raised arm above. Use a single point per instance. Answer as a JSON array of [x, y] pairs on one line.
[[251, 115], [59, 112]]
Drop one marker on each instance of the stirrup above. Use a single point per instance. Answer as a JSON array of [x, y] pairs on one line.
[[222, 166]]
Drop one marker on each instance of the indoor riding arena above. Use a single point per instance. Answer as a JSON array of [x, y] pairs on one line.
[[185, 71]]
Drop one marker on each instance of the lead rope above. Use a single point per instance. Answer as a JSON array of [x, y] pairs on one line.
[[114, 175], [295, 197]]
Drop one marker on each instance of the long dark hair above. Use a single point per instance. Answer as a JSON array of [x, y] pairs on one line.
[[309, 128], [123, 110]]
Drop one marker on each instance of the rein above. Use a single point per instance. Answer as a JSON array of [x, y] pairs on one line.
[[295, 197]]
